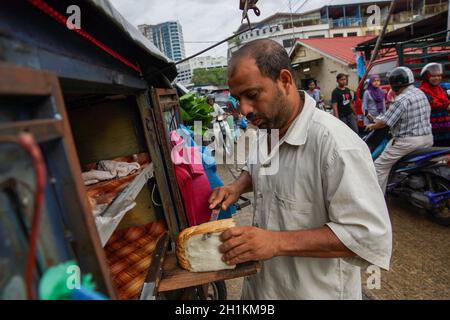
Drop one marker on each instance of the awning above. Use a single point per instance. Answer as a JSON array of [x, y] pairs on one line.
[[134, 35], [422, 28], [299, 61]]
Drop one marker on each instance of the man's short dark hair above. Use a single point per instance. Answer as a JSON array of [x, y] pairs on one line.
[[269, 55], [340, 76]]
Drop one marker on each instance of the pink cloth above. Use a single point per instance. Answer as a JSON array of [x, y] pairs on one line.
[[192, 180]]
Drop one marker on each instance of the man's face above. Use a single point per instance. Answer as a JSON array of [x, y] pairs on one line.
[[342, 81], [261, 99]]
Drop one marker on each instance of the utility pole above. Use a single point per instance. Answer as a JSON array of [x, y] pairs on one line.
[[292, 23], [383, 32]]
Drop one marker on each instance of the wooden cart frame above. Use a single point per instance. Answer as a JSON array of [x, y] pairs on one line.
[[34, 64]]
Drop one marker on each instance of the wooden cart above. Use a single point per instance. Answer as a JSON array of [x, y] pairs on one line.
[[99, 93]]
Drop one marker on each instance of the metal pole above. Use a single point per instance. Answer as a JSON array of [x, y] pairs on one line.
[[292, 23], [448, 21], [381, 36]]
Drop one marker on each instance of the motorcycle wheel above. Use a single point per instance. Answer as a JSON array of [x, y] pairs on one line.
[[217, 291], [441, 215]]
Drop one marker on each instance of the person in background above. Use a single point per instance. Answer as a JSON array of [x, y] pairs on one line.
[[312, 91], [373, 101], [439, 101], [409, 121], [390, 98], [217, 109], [342, 103]]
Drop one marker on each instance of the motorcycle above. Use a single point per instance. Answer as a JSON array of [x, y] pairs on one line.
[[422, 177]]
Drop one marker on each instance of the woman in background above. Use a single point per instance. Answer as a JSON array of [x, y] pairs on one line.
[[439, 101], [313, 91], [373, 101]]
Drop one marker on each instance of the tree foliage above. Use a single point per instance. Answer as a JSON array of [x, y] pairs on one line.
[[213, 76]]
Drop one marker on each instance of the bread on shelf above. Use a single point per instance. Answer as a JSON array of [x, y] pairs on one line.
[[197, 255]]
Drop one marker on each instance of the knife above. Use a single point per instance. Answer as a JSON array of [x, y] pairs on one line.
[[214, 216]]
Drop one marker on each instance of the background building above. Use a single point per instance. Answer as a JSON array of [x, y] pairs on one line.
[[168, 38], [208, 62], [323, 59], [339, 18], [186, 70]]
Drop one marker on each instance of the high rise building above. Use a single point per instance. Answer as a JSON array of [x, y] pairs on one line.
[[167, 37]]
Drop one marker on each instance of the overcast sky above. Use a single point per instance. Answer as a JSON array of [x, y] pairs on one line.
[[202, 20]]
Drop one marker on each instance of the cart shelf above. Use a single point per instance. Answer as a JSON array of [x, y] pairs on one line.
[[174, 277], [108, 221]]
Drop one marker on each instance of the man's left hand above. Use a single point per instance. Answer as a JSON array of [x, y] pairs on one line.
[[242, 244]]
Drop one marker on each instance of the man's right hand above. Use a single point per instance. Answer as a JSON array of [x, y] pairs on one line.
[[222, 197]]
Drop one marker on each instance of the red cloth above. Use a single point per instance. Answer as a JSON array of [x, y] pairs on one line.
[[438, 96], [192, 181]]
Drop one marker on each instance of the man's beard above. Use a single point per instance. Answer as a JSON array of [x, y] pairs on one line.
[[280, 106]]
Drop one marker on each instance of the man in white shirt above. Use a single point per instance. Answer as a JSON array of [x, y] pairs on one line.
[[322, 215], [217, 109]]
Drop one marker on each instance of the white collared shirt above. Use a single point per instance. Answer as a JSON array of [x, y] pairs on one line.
[[326, 176]]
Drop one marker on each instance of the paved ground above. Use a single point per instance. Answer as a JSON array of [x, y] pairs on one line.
[[420, 262]]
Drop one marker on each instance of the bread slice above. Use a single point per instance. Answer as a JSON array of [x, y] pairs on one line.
[[197, 255]]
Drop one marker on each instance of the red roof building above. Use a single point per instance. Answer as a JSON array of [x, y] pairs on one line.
[[322, 59], [335, 48]]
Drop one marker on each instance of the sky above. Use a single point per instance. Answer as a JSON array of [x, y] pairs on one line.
[[204, 22]]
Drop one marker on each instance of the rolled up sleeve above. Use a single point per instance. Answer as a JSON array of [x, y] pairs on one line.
[[357, 210], [394, 113]]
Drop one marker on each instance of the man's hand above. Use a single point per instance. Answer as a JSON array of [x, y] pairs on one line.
[[221, 198], [242, 244], [335, 110], [378, 124]]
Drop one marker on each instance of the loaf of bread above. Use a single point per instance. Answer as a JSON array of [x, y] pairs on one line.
[[197, 255]]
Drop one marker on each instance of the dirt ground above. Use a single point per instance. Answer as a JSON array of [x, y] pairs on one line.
[[420, 262], [421, 257]]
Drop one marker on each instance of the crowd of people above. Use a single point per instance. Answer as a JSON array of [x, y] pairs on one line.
[[376, 101], [417, 117]]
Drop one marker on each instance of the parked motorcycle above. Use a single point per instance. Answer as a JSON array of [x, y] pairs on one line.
[[422, 177]]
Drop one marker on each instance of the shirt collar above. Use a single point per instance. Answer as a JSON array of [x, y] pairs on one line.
[[298, 131]]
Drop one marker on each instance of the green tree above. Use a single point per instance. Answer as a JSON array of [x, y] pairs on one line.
[[213, 76]]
